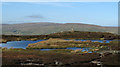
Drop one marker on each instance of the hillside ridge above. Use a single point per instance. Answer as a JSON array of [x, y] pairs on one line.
[[47, 28]]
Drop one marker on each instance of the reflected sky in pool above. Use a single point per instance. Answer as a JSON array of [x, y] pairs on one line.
[[18, 44], [71, 48]]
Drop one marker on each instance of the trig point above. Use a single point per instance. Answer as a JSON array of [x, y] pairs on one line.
[[72, 30]]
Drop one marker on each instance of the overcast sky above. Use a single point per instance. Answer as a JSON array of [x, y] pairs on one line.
[[97, 13]]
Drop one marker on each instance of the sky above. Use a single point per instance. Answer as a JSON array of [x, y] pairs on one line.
[[97, 13]]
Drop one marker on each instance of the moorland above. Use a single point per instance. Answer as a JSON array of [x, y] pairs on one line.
[[99, 54]]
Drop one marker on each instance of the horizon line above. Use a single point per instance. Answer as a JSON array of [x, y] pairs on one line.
[[60, 23]]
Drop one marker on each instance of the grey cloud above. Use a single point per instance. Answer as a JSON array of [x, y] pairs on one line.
[[36, 16]]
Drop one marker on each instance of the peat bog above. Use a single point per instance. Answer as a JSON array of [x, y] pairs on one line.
[[98, 55]]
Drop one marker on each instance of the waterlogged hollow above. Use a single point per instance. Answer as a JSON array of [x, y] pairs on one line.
[[18, 44], [24, 44]]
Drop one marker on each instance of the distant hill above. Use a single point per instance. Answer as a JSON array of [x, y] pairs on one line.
[[47, 28]]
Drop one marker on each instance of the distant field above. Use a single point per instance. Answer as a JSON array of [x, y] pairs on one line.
[[47, 28]]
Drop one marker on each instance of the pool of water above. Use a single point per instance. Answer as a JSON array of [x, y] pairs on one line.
[[18, 44], [71, 48], [24, 44]]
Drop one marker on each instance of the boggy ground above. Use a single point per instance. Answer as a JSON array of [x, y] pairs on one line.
[[46, 58], [55, 58], [63, 35], [61, 43]]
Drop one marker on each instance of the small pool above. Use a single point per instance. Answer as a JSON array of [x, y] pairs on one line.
[[71, 48], [18, 44]]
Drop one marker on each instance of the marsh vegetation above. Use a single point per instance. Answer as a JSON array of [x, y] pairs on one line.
[[98, 54]]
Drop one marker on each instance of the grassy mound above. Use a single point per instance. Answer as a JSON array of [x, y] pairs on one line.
[[61, 43]]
